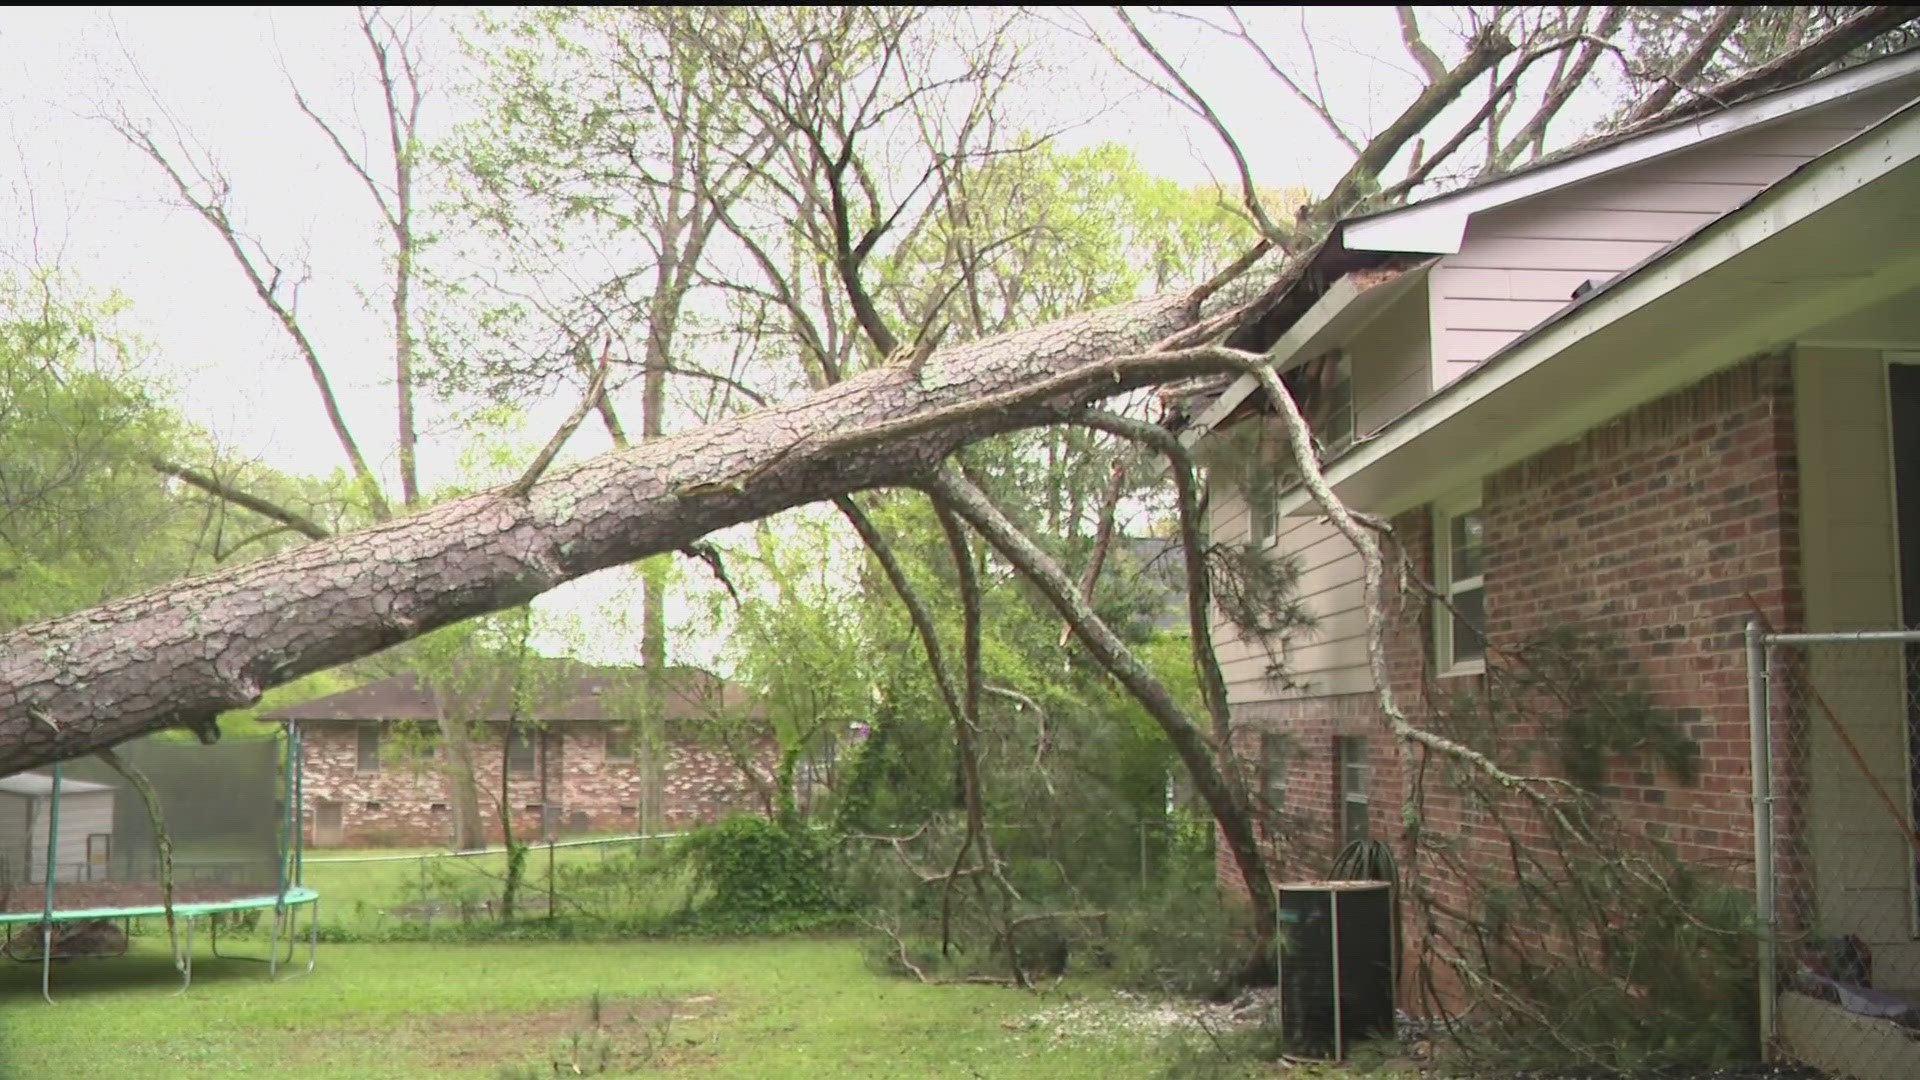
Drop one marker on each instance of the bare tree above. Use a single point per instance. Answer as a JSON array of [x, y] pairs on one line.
[[200, 184]]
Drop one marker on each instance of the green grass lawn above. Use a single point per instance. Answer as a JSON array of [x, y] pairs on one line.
[[799, 1007]]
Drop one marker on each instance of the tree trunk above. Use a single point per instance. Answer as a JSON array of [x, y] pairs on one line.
[[182, 654], [653, 584], [463, 790]]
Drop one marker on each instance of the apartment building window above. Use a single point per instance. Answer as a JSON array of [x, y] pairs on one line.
[[619, 743], [1459, 533], [366, 750], [520, 752], [1350, 754]]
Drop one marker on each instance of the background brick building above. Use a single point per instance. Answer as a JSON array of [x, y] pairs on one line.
[[375, 774]]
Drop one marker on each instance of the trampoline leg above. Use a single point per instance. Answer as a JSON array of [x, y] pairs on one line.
[[185, 961], [46, 960], [273, 944], [293, 937]]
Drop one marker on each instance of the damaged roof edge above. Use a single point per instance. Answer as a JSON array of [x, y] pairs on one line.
[[1341, 310]]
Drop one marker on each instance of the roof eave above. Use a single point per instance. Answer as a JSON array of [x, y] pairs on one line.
[[1346, 306]]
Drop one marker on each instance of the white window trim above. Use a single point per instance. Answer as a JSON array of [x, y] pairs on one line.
[[1444, 511], [1350, 796]]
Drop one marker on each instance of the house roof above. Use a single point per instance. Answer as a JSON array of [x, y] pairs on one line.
[[1397, 238], [1824, 242], [1437, 225], [572, 692], [37, 784]]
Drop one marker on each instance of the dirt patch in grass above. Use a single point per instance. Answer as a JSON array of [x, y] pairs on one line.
[[612, 1034]]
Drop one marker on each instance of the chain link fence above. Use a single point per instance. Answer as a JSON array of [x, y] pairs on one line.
[[396, 892], [381, 892], [1837, 848]]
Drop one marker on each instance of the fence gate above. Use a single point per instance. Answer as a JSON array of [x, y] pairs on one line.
[[1836, 746]]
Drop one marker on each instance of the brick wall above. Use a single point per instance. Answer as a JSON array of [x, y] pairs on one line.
[[1653, 528], [406, 802], [1656, 529]]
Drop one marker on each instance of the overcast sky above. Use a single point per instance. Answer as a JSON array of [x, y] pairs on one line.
[[75, 195]]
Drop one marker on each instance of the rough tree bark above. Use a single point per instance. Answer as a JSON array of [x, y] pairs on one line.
[[180, 655]]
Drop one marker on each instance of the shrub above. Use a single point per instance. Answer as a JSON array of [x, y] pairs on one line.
[[758, 877], [1186, 939]]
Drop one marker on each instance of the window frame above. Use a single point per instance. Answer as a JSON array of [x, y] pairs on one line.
[[360, 756], [1339, 426], [1445, 513], [614, 735], [100, 859], [1349, 795], [521, 734], [1274, 763], [1263, 505]]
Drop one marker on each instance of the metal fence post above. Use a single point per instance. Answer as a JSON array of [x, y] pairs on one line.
[[1760, 735], [1144, 889]]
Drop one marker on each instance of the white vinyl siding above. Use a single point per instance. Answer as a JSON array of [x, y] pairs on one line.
[[82, 813], [1520, 264]]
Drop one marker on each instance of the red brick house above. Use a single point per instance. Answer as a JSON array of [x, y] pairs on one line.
[[373, 770], [1623, 391]]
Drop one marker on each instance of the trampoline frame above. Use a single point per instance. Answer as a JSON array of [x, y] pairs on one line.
[[290, 894]]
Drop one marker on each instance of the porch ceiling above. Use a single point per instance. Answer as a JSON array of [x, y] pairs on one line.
[[1784, 267]]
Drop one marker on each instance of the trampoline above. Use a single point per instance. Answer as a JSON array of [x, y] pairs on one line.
[[78, 853]]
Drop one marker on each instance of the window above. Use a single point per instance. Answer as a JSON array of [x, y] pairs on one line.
[[99, 855], [1263, 505], [1273, 770], [1326, 399], [406, 744], [520, 752], [619, 743], [1323, 388], [1459, 534], [366, 756], [1350, 755]]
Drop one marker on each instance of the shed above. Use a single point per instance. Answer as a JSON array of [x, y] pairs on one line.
[[86, 829]]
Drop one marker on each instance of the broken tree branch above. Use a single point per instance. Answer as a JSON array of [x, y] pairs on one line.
[[1689, 67], [162, 840], [596, 390], [1226, 802], [299, 523], [1808, 60]]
